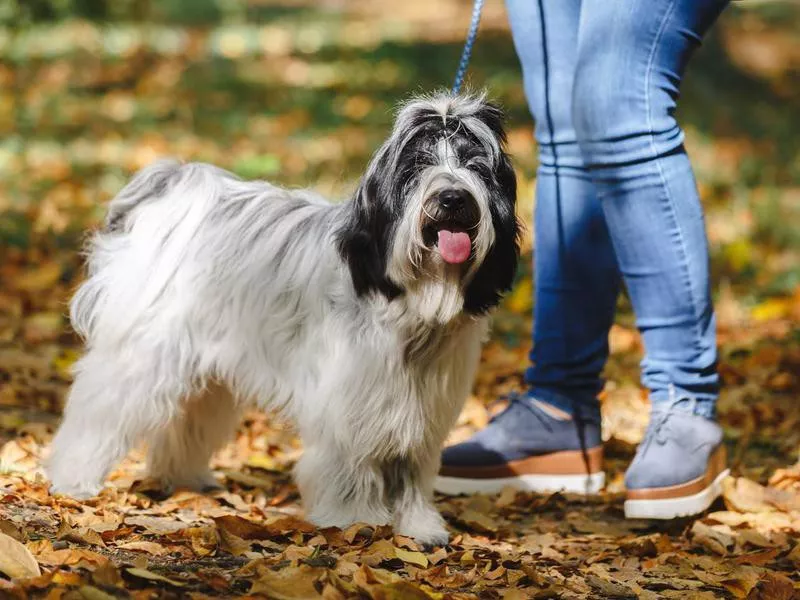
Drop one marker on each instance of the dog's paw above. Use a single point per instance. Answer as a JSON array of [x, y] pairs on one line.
[[203, 482], [426, 526], [429, 542], [79, 491]]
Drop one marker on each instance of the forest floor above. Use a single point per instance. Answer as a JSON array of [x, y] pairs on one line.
[[301, 95]]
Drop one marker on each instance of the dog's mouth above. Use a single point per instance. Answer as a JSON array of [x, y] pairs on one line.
[[453, 243], [451, 237]]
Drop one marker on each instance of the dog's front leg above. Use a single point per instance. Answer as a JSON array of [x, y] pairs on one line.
[[337, 490], [410, 487]]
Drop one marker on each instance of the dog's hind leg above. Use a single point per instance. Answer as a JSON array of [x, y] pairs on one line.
[[111, 406], [338, 493], [179, 451]]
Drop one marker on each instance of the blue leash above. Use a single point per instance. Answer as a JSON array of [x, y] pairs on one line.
[[477, 7]]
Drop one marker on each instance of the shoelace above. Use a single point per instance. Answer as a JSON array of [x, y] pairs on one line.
[[516, 399], [659, 429]]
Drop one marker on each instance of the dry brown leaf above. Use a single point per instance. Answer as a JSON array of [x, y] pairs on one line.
[[614, 589], [289, 583], [150, 576], [399, 590], [89, 592], [107, 575], [438, 556], [744, 495], [477, 521], [14, 530], [773, 586], [495, 573], [203, 540], [741, 581], [411, 557], [156, 525], [757, 558], [714, 538], [81, 536], [46, 555], [233, 544], [367, 577], [99, 522], [377, 552], [142, 546], [442, 576], [16, 560]]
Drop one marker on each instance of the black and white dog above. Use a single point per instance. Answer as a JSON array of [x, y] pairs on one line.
[[360, 321]]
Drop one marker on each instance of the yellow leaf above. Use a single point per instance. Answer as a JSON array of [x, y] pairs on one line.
[[739, 254], [263, 461], [63, 363], [288, 583], [772, 308], [415, 558], [89, 592], [40, 279], [16, 560], [520, 300]]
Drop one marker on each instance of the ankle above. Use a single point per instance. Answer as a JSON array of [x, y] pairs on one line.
[[552, 411]]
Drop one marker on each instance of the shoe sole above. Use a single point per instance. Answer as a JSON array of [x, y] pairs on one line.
[[672, 508], [576, 484], [682, 499]]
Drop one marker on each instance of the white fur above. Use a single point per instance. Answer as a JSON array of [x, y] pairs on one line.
[[204, 286]]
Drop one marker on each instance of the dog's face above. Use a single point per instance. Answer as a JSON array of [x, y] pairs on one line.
[[434, 216]]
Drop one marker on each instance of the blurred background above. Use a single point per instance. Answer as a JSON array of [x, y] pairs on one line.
[[301, 92]]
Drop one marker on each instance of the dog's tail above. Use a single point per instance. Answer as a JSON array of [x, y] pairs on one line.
[[149, 184], [149, 231]]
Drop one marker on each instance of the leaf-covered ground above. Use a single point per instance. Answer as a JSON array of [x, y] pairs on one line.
[[301, 92]]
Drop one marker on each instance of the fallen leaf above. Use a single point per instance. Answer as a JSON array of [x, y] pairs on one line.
[[773, 586], [712, 538], [16, 560], [150, 576], [400, 590], [614, 589], [89, 592], [288, 583], [81, 535], [414, 558], [377, 552], [476, 521], [142, 546]]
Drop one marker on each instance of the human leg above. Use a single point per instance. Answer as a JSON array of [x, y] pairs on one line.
[[631, 58]]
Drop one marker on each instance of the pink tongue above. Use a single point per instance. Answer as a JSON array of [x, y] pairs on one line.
[[454, 246]]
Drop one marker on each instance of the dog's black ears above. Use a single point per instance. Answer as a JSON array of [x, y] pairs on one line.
[[364, 241], [496, 275]]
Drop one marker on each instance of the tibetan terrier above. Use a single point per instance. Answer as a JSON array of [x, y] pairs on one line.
[[361, 322]]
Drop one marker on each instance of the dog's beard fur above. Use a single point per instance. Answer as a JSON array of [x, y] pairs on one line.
[[206, 293]]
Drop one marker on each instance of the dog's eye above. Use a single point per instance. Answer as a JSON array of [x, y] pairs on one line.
[[480, 167]]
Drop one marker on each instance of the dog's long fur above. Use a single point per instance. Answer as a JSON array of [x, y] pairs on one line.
[[206, 293]]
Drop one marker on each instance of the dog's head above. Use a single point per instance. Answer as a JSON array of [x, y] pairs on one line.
[[433, 219]]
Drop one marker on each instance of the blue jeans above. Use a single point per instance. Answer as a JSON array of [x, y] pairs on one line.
[[615, 194]]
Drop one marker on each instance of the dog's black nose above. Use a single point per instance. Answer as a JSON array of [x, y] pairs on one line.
[[453, 199]]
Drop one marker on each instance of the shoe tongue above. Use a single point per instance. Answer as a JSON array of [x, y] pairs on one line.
[[454, 246]]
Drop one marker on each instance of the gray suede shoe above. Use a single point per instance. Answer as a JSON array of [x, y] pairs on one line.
[[679, 467], [529, 448]]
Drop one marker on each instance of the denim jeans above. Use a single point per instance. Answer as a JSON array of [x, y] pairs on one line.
[[615, 194]]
